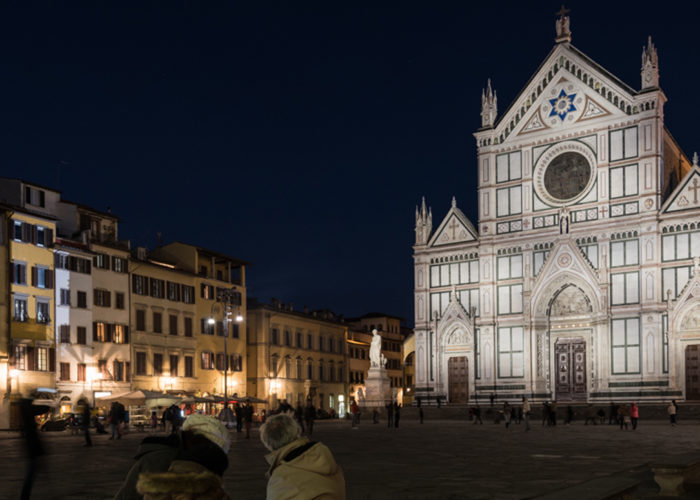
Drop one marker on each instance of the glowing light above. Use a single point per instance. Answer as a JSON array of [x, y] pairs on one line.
[[211, 321], [14, 373], [239, 318]]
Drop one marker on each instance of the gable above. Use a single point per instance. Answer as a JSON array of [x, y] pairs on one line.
[[568, 88], [686, 196], [455, 228]]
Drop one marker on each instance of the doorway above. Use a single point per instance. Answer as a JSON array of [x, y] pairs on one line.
[[692, 372], [458, 379], [570, 355]]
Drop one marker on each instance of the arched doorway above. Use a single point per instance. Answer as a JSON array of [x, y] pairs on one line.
[[458, 379], [692, 372]]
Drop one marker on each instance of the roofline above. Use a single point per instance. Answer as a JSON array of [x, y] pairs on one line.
[[91, 209], [23, 181], [211, 252]]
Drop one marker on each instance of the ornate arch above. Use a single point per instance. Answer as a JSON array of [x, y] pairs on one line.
[[545, 297]]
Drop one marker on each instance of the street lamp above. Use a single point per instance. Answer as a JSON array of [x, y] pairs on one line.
[[229, 297]]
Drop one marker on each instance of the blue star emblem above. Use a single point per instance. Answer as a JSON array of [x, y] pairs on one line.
[[562, 104]]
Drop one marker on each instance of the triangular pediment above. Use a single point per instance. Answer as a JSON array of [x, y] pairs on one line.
[[686, 196], [455, 228], [455, 324], [568, 88], [686, 310]]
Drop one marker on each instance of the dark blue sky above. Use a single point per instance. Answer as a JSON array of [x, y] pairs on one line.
[[298, 137]]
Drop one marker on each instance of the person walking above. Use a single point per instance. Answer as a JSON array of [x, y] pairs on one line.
[[590, 414], [247, 418], [569, 415], [507, 413], [309, 417], [634, 415], [477, 415], [238, 412], [116, 417], [545, 414], [355, 410], [389, 414], [397, 414], [672, 413], [526, 413], [612, 413], [623, 416], [86, 424], [375, 416], [553, 413], [299, 416]]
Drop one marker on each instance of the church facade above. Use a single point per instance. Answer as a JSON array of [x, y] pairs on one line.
[[581, 279]]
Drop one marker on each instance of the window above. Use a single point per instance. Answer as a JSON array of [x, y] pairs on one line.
[[623, 181], [34, 197], [42, 359], [220, 328], [102, 298], [625, 288], [100, 332], [623, 144], [82, 335], [140, 363], [664, 343], [101, 261], [309, 369], [173, 324], [468, 298], [188, 327], [141, 320], [207, 291], [189, 366], [207, 360], [157, 288], [510, 299], [82, 300], [287, 338], [207, 327], [139, 284], [331, 345], [82, 368], [341, 374], [21, 357], [626, 350], [300, 342], [680, 246], [64, 334], [174, 361], [42, 311], [158, 322], [510, 266], [510, 352], [288, 367], [236, 362], [42, 277], [65, 371], [509, 201], [173, 291], [64, 297], [309, 341], [118, 371], [624, 253], [19, 273], [188, 294], [119, 300], [120, 265], [321, 371], [157, 364], [538, 259], [72, 263], [20, 309], [17, 232], [456, 273], [321, 343], [102, 368], [275, 336], [235, 330], [508, 167], [591, 252], [220, 360], [120, 334], [673, 280], [300, 372]]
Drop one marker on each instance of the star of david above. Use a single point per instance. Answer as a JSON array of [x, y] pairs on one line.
[[562, 105]]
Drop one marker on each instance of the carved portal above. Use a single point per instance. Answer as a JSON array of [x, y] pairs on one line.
[[691, 321], [570, 301]]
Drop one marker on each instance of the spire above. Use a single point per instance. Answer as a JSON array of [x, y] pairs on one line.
[[650, 66], [424, 223], [489, 106], [695, 159], [562, 25], [454, 202]]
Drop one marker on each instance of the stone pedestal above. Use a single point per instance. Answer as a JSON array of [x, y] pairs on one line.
[[377, 387]]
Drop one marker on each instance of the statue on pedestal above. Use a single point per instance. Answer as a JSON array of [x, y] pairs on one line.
[[376, 357]]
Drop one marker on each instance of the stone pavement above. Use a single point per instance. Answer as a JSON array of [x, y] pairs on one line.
[[440, 459]]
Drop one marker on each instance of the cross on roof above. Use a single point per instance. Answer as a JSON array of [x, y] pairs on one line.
[[563, 11]]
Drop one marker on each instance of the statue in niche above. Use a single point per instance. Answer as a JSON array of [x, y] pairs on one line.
[[376, 358]]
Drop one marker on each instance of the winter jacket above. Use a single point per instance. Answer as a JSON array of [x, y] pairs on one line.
[[304, 470], [154, 455], [184, 480], [634, 411]]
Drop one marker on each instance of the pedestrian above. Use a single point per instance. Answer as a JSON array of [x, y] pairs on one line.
[[526, 413], [187, 465], [299, 416], [672, 413], [34, 448], [520, 415], [623, 416], [601, 416], [418, 399], [375, 416], [612, 413], [397, 414], [477, 415], [154, 421], [507, 413], [389, 415], [634, 415], [545, 414], [86, 424], [355, 411], [238, 411], [569, 415], [299, 468], [590, 414], [439, 402], [492, 397], [553, 413], [309, 416], [116, 417], [247, 418], [420, 414]]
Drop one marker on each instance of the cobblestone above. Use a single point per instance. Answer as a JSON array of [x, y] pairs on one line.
[[439, 459]]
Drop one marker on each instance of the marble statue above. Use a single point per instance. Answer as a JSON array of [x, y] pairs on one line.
[[376, 357]]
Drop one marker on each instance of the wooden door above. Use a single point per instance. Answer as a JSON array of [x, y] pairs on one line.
[[692, 372], [571, 370], [458, 380]]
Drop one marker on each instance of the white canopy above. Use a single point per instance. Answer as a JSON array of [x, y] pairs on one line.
[[140, 398]]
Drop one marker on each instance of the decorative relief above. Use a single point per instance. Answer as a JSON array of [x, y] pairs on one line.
[[570, 301], [536, 123], [564, 260], [691, 321], [563, 174], [457, 337], [592, 110]]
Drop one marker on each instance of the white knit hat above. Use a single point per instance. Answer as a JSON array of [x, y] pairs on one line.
[[210, 428]]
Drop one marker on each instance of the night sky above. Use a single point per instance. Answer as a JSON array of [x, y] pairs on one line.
[[299, 138]]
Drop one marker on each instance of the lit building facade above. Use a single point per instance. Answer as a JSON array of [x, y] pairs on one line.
[[297, 355], [580, 280]]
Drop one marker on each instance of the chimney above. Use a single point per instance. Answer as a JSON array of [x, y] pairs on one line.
[[141, 253], [291, 306], [306, 309]]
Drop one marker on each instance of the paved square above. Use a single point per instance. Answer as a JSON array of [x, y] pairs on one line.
[[440, 459]]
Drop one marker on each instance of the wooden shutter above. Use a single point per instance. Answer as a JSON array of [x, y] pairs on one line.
[[126, 334], [49, 278], [94, 331], [48, 237], [127, 371], [52, 359], [109, 328], [31, 358], [34, 275]]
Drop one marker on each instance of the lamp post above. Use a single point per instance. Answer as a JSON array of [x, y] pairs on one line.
[[229, 297]]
